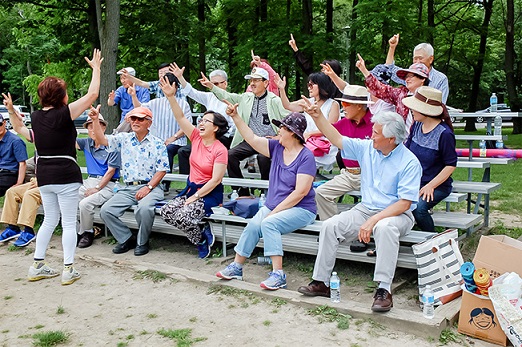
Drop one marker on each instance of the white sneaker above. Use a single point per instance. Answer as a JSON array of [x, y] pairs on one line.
[[41, 271], [70, 275]]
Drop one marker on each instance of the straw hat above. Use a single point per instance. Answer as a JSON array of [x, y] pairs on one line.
[[355, 95], [427, 100]]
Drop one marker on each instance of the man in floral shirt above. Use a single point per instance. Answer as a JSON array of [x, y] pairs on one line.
[[144, 163]]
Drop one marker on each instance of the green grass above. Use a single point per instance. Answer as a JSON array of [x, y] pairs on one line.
[[326, 313], [183, 337], [153, 275], [50, 338]]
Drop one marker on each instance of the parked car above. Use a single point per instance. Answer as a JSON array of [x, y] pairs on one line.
[[21, 109], [453, 112], [78, 122], [482, 114]]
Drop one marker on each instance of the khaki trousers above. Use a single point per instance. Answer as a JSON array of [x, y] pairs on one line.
[[20, 205], [326, 194], [344, 228]]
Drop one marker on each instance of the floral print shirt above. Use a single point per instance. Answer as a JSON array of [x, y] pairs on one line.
[[139, 160]]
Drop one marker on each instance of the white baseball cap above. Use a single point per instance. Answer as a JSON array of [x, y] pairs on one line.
[[130, 71], [258, 72]]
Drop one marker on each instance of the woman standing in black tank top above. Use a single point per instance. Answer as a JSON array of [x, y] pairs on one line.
[[59, 176]]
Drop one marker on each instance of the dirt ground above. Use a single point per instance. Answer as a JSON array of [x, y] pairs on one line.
[[115, 303]]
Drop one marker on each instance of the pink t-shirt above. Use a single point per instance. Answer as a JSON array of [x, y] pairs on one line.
[[203, 158], [349, 128]]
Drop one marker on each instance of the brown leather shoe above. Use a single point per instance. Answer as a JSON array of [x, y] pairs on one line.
[[86, 240], [383, 301], [315, 288]]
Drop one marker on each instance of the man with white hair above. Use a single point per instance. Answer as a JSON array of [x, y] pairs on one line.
[[422, 53], [390, 181]]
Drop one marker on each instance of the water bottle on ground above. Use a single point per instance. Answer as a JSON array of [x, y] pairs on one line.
[[482, 147], [335, 288], [234, 195], [428, 298], [264, 261], [262, 200]]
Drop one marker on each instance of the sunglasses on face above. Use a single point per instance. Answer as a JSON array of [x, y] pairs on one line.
[[138, 119], [205, 121], [1, 123], [311, 84], [345, 104]]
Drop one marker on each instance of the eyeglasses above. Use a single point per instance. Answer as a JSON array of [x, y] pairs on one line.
[[139, 119], [218, 83], [255, 80], [204, 120], [1, 123], [345, 104], [410, 75], [311, 85]]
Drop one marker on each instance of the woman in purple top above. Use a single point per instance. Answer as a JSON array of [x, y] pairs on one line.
[[432, 141], [290, 203]]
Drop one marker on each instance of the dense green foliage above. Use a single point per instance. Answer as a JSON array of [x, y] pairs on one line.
[[51, 37]]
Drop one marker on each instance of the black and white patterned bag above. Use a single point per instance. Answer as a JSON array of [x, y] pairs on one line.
[[186, 218]]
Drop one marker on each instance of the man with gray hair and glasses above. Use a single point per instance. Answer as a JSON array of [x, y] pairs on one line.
[[422, 53], [390, 182]]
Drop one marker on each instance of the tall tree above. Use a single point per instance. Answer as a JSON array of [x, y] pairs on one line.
[[478, 66], [108, 22], [511, 80]]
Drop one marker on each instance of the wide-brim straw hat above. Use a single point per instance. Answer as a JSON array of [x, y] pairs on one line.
[[355, 95], [426, 100]]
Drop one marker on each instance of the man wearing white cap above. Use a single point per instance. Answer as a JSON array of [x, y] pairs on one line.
[[121, 96], [257, 108]]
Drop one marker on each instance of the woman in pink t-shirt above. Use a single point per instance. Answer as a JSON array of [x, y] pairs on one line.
[[208, 163]]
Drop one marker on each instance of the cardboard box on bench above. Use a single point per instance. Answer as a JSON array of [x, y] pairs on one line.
[[498, 254]]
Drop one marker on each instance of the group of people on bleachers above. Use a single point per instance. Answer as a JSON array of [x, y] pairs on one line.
[[396, 146]]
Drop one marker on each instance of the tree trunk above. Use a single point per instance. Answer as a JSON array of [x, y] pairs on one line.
[[351, 52], [431, 21], [329, 20], [108, 31], [511, 80], [201, 38], [477, 68]]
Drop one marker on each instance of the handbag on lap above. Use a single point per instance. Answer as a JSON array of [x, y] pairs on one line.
[[438, 264]]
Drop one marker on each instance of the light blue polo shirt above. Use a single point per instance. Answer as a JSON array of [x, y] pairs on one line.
[[98, 160], [385, 179]]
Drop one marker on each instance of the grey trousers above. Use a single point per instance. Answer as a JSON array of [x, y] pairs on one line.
[[89, 203], [344, 227], [327, 193], [144, 213]]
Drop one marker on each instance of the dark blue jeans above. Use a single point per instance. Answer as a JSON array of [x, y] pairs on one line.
[[422, 216]]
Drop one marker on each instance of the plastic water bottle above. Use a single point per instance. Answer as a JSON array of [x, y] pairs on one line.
[[493, 101], [262, 200], [116, 187], [264, 261], [482, 146], [335, 288], [234, 195], [428, 298], [500, 144]]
